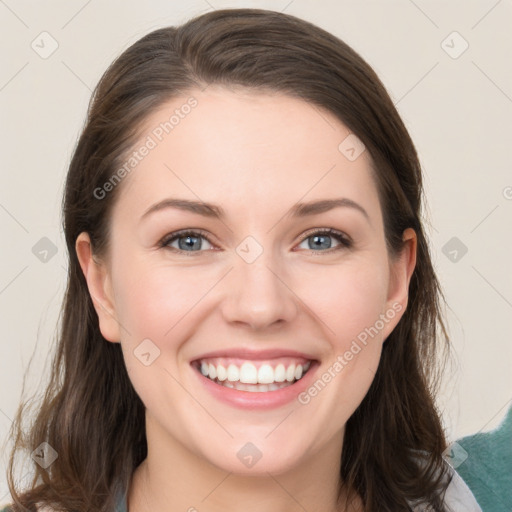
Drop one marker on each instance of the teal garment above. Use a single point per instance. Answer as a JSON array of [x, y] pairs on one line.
[[121, 503], [487, 470]]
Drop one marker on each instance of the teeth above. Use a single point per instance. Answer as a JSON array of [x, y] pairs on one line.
[[280, 373], [233, 373], [248, 374], [258, 388], [265, 374], [264, 378], [290, 373], [222, 373]]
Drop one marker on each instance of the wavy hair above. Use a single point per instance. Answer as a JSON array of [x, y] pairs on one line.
[[90, 413]]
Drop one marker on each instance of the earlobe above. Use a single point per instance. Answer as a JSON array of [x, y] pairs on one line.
[[99, 286]]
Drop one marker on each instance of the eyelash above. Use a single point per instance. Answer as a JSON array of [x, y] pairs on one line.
[[345, 241]]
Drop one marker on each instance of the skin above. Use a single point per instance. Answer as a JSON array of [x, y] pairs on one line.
[[256, 155]]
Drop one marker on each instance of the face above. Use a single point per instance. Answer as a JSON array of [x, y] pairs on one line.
[[252, 322]]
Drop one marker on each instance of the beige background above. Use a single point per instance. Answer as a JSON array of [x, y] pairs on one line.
[[458, 111]]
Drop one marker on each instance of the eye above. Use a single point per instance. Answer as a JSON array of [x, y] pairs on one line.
[[322, 239], [190, 241], [187, 241]]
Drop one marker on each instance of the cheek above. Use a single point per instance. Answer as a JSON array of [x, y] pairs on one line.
[[346, 298], [153, 301], [349, 301]]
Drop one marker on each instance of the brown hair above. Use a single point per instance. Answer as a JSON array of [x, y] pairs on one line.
[[90, 413]]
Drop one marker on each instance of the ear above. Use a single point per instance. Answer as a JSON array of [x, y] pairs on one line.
[[100, 289], [401, 270]]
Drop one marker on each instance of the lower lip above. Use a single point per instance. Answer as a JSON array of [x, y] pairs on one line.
[[258, 400]]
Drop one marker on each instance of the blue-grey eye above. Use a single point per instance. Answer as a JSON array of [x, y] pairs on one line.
[[323, 240], [188, 242]]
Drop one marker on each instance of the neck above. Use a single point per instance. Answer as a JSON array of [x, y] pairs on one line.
[[172, 478]]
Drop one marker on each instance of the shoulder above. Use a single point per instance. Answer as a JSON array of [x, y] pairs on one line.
[[486, 462], [458, 496]]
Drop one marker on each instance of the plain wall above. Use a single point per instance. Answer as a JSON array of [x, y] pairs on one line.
[[456, 107]]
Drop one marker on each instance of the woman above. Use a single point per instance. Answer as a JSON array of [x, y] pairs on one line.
[[252, 319]]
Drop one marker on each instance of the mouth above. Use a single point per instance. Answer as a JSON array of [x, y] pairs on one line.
[[254, 376]]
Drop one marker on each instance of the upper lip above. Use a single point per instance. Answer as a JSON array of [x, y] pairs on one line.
[[249, 354]]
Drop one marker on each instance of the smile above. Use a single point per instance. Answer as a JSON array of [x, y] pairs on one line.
[[254, 376]]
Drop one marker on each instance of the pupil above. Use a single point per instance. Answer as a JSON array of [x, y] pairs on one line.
[[189, 243], [325, 245]]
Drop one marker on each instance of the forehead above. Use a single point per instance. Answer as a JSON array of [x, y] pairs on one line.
[[244, 147]]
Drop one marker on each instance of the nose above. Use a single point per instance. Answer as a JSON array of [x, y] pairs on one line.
[[257, 294]]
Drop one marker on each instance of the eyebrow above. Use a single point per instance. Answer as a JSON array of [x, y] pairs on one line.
[[215, 211]]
